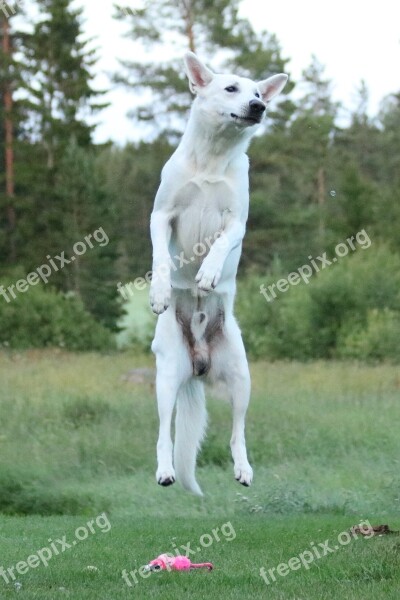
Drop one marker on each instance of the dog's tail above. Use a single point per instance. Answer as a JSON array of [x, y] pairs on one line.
[[190, 426]]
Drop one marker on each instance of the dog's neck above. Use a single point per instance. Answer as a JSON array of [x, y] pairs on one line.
[[212, 149]]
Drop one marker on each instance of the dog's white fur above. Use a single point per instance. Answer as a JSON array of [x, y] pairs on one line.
[[197, 227]]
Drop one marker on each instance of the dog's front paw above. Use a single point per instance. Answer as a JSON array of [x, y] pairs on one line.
[[160, 297], [244, 474], [208, 277]]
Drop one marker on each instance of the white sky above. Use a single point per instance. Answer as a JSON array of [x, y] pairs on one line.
[[354, 40]]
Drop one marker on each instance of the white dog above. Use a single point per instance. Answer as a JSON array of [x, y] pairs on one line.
[[197, 227]]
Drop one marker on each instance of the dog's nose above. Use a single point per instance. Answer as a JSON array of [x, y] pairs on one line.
[[257, 107]]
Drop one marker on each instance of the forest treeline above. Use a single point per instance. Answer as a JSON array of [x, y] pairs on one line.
[[320, 173]]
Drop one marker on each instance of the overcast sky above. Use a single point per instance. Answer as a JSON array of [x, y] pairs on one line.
[[353, 39]]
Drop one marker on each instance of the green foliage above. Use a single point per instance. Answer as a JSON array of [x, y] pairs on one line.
[[43, 317], [129, 178], [378, 339], [55, 130], [387, 208], [355, 201], [331, 316], [88, 207], [290, 178], [58, 199], [314, 179], [277, 329]]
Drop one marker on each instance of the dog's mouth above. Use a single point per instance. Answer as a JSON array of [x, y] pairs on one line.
[[251, 120]]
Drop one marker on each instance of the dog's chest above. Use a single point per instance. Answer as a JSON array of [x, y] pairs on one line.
[[201, 207]]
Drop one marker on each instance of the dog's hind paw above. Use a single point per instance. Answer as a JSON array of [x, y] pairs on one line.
[[244, 475], [166, 482], [165, 478]]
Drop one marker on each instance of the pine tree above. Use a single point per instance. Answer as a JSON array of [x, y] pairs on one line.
[[390, 140], [59, 66], [211, 29], [61, 201], [312, 132], [59, 98], [9, 75], [290, 178], [388, 202], [358, 143], [130, 177], [88, 208]]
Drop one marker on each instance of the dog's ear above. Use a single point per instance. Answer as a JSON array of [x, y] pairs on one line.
[[199, 75], [272, 86]]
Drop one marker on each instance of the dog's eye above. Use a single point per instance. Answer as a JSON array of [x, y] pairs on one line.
[[231, 88], [257, 95]]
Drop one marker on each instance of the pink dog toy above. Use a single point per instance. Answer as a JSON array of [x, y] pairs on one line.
[[164, 562]]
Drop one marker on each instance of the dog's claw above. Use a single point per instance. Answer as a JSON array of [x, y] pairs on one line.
[[244, 476], [166, 482], [165, 476], [158, 309], [165, 479], [160, 299], [245, 483], [207, 279]]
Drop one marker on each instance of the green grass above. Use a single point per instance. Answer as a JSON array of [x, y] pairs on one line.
[[77, 438], [362, 569]]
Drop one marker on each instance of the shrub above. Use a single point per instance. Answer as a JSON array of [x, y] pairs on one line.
[[378, 340], [42, 317], [320, 320]]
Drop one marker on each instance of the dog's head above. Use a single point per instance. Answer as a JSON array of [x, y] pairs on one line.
[[229, 98]]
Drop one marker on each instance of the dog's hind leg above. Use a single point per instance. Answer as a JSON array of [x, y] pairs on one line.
[[173, 369], [235, 372]]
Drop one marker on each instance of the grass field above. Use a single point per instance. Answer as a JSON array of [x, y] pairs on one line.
[[77, 437]]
